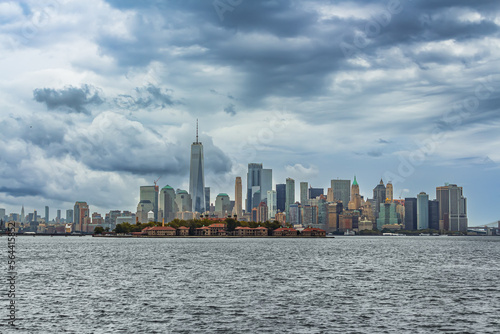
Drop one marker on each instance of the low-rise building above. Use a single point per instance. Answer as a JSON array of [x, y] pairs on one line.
[[162, 231], [203, 231], [244, 231], [183, 231], [218, 229], [285, 232], [313, 232]]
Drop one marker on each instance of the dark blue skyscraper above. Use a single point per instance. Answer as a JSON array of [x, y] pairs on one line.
[[410, 213], [280, 197]]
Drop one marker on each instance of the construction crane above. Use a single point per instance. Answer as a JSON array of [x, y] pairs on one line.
[[156, 187]]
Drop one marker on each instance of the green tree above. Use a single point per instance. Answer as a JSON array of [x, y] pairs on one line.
[[98, 230]]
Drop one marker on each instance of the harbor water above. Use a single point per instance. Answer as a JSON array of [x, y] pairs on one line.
[[256, 285]]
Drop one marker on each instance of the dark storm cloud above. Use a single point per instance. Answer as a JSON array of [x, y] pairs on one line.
[[146, 97], [290, 51], [21, 192], [69, 99]]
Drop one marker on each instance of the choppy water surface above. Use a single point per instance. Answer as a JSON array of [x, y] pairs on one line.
[[346, 284]]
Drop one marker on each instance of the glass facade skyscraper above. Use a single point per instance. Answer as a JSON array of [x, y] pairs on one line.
[[197, 176], [280, 197], [422, 211], [259, 182], [290, 196], [341, 191]]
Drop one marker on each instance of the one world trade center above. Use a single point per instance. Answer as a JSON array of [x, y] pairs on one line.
[[197, 175]]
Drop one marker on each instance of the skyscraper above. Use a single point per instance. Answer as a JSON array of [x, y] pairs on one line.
[[69, 216], [312, 193], [290, 196], [197, 176], [434, 215], [452, 208], [222, 205], [280, 197], [389, 191], [271, 204], [259, 181], [150, 193], [422, 211], [167, 203], [410, 213], [303, 193], [58, 217], [81, 211], [341, 191], [262, 212], [23, 215], [183, 201], [46, 214], [238, 193], [355, 202], [379, 197], [207, 199]]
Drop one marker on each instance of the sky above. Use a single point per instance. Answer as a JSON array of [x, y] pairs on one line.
[[100, 97]]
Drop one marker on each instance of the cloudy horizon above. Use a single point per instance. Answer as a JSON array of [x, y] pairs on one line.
[[101, 97]]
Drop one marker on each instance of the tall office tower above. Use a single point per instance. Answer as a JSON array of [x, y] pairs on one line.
[[262, 212], [143, 208], [303, 193], [452, 208], [2, 214], [280, 197], [355, 202], [222, 205], [294, 214], [207, 199], [334, 210], [290, 197], [69, 216], [238, 193], [410, 213], [150, 193], [309, 215], [434, 215], [81, 211], [35, 216], [46, 214], [197, 176], [58, 217], [271, 204], [266, 183], [312, 193], [259, 181], [342, 191], [389, 191], [379, 197], [113, 215], [387, 215], [422, 211], [329, 195], [23, 215], [183, 201], [167, 203]]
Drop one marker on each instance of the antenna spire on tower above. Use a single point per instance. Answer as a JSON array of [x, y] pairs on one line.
[[197, 130]]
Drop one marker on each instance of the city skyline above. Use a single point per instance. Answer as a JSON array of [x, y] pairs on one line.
[[100, 98]]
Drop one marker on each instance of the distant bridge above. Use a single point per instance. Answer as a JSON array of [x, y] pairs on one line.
[[494, 224]]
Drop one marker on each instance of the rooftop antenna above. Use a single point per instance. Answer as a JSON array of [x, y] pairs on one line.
[[197, 130]]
